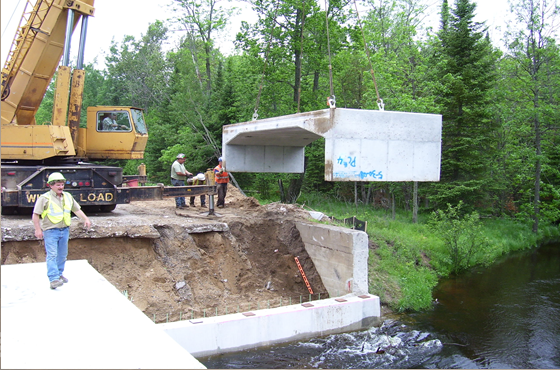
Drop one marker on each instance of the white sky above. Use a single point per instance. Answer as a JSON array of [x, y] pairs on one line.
[[117, 18]]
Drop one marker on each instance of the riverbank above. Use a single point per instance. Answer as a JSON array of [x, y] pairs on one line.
[[407, 259]]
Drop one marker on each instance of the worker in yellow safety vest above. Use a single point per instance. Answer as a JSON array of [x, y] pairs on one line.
[[52, 218], [222, 179]]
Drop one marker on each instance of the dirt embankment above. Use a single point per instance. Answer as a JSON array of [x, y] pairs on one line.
[[180, 263]]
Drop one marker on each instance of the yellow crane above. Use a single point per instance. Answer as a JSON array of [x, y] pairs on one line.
[[32, 150]]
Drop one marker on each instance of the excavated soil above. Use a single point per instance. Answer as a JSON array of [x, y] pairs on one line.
[[176, 264]]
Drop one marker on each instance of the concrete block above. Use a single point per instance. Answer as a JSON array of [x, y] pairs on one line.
[[221, 334], [340, 256], [360, 145]]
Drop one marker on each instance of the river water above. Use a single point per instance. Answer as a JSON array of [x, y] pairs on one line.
[[504, 316]]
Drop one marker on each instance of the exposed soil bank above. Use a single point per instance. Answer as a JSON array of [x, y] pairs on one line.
[[185, 262]]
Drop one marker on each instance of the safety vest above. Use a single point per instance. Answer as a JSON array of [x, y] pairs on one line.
[[55, 213], [221, 178]]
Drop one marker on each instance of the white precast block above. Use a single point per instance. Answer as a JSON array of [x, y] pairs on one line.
[[235, 332], [366, 145], [360, 145], [340, 255]]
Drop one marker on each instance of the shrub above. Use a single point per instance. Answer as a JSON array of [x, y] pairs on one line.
[[462, 236]]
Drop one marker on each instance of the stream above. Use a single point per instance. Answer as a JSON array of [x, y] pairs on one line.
[[503, 316]]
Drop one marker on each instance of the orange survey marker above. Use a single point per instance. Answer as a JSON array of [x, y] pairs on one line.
[[303, 275]]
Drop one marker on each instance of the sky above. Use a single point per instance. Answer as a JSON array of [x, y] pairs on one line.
[[116, 18]]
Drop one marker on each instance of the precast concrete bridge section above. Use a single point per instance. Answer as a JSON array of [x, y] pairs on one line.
[[360, 145]]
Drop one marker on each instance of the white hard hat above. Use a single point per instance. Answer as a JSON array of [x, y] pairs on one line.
[[200, 177], [55, 176], [180, 156]]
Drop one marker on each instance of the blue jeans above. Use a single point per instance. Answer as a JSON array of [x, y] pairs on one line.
[[56, 246], [179, 201]]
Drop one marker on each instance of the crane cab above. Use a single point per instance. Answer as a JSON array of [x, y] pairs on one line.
[[113, 133]]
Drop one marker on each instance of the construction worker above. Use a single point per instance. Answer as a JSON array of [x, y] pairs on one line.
[[222, 179], [178, 176], [54, 208], [199, 179]]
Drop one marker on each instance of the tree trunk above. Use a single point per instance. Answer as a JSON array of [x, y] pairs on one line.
[[393, 210], [537, 176], [356, 193], [294, 190], [282, 195]]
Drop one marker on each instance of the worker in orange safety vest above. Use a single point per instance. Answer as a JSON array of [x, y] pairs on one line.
[[222, 179]]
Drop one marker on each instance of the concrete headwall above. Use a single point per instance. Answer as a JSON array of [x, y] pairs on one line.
[[340, 256], [236, 332]]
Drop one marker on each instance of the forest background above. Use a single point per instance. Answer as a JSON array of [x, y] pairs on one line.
[[499, 99]]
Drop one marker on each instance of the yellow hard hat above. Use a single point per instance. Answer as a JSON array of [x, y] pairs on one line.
[[55, 176]]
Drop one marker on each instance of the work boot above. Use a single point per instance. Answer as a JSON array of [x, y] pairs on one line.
[[63, 279], [192, 205], [56, 283], [203, 205]]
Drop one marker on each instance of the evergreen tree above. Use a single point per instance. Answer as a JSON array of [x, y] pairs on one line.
[[466, 72]]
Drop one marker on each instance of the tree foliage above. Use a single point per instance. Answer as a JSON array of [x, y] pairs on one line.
[[501, 120]]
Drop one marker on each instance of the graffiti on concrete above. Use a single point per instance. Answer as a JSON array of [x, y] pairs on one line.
[[375, 175]]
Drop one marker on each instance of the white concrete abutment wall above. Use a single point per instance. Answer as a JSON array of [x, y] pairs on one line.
[[340, 256]]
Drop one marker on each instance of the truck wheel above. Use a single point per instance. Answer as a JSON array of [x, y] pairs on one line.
[[8, 210], [107, 208]]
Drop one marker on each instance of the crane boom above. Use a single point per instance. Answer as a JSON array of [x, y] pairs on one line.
[[31, 150], [34, 56]]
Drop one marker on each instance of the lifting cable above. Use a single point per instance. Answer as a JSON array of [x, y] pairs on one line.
[[380, 103], [301, 54], [256, 114], [331, 100]]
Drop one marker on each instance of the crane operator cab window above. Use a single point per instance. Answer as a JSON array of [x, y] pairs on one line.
[[113, 121]]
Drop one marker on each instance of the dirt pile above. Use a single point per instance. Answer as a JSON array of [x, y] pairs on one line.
[[185, 263]]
